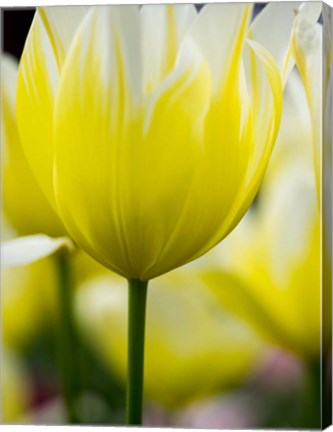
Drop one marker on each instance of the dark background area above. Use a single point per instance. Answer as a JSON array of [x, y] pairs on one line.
[[15, 24]]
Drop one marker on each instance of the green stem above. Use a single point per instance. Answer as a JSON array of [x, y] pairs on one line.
[[137, 293], [67, 340]]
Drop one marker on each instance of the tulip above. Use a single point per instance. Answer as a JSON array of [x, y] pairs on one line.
[[150, 132], [275, 252], [156, 152], [26, 295], [171, 105], [28, 210], [271, 263], [312, 49]]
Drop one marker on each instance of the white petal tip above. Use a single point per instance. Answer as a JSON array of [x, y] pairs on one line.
[[26, 250]]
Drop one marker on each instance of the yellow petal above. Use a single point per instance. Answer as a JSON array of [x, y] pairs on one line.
[[263, 112], [24, 204], [41, 63], [218, 171]]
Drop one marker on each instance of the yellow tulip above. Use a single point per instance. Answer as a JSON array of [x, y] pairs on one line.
[[28, 301], [24, 205], [29, 293], [195, 347], [313, 55], [161, 130], [272, 260]]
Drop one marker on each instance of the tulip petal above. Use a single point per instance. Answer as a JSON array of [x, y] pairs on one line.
[[96, 108], [265, 93], [170, 161], [163, 28], [23, 202], [41, 63], [219, 32], [307, 50], [266, 89], [294, 140], [273, 28], [220, 172], [26, 250]]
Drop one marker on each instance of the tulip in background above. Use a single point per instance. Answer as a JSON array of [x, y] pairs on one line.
[[35, 291], [149, 131], [272, 260]]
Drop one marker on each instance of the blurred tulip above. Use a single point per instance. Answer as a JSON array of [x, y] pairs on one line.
[[308, 51], [272, 261], [294, 138], [29, 292], [194, 346], [28, 301], [15, 387]]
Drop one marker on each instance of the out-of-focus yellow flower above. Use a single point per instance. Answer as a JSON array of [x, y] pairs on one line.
[[308, 51], [28, 301], [30, 297], [273, 257], [163, 123], [194, 347], [294, 138], [15, 387], [313, 55], [24, 205]]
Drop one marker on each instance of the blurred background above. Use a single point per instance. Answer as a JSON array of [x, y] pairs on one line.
[[232, 340]]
